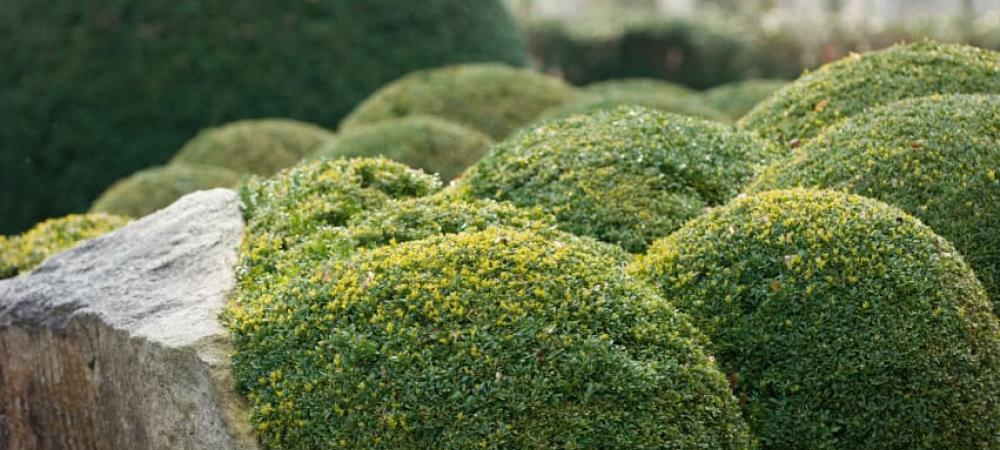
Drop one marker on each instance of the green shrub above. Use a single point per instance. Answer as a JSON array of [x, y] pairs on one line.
[[492, 98], [22, 253], [641, 86], [626, 176], [155, 188], [260, 147], [96, 90], [738, 98], [493, 339], [935, 157], [660, 99], [849, 86], [424, 142], [841, 322]]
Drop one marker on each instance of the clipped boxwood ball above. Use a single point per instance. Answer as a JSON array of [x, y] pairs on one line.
[[656, 97], [291, 207], [493, 98], [937, 157], [260, 147], [96, 90], [846, 87], [155, 188], [648, 86], [495, 339], [429, 143], [22, 253], [841, 322], [739, 97], [626, 176]]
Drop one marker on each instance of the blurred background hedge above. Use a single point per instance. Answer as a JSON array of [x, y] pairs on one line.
[[95, 90]]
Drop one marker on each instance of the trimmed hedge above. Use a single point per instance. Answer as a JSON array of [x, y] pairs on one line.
[[425, 142], [155, 188], [493, 339], [22, 253], [935, 157], [846, 87], [493, 98], [606, 98], [641, 86], [841, 322], [94, 91], [626, 176], [738, 98], [260, 147]]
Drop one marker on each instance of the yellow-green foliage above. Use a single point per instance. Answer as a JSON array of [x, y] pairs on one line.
[[847, 87], [937, 157], [499, 339], [841, 322], [259, 147], [493, 98], [429, 143], [738, 98], [626, 176], [22, 253], [151, 189], [661, 95]]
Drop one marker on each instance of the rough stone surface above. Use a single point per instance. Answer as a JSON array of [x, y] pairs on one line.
[[116, 344]]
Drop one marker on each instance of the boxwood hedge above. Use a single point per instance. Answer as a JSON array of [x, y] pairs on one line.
[[429, 143], [22, 253], [626, 176], [151, 189], [849, 86], [493, 98], [95, 90], [841, 322], [935, 157], [493, 339], [738, 98], [260, 147]]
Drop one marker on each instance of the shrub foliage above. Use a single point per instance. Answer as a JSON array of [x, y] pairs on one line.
[[152, 189], [22, 253], [840, 321], [738, 98]]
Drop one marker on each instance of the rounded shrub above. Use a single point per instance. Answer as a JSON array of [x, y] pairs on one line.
[[260, 147], [841, 322], [94, 91], [641, 86], [425, 142], [493, 339], [608, 99], [493, 98], [155, 188], [846, 87], [738, 98], [935, 157], [626, 176], [22, 253]]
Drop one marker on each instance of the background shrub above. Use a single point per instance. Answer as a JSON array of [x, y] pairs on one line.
[[738, 98], [22, 253], [428, 143], [847, 87], [935, 157], [625, 176], [608, 96], [841, 322], [149, 190], [494, 339], [259, 147], [492, 98], [95, 90]]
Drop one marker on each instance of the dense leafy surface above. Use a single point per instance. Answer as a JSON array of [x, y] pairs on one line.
[[95, 90], [151, 189], [22, 253], [496, 339], [259, 147], [655, 94], [492, 98], [626, 176], [847, 87], [428, 143], [842, 323], [738, 98], [938, 158]]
